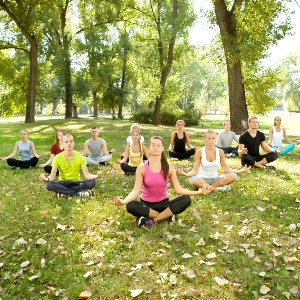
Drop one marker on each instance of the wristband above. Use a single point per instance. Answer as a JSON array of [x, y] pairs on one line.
[[48, 179], [109, 152]]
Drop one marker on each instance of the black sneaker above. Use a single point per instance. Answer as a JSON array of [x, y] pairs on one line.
[[270, 168], [86, 193], [144, 221], [103, 163]]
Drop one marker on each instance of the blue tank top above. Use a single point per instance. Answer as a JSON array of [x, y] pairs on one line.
[[25, 151]]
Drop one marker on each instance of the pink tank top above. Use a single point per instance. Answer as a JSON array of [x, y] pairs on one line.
[[154, 186]]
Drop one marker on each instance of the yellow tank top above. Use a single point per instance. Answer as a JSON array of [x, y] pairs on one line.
[[135, 159]]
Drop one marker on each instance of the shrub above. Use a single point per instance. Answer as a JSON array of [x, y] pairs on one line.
[[166, 117]]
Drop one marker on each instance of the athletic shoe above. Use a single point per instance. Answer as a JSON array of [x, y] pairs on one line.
[[228, 154], [15, 168], [103, 163], [174, 158], [144, 221], [172, 219], [224, 188], [58, 195], [86, 193], [270, 167]]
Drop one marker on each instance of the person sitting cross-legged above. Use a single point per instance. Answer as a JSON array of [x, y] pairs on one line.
[[207, 160], [97, 148], [69, 163], [249, 143], [153, 177], [225, 139]]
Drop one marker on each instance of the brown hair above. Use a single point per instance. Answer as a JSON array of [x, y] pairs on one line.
[[178, 121], [163, 160], [56, 141], [252, 117]]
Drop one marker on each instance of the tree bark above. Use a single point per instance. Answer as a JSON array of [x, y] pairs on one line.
[[95, 104], [165, 66], [236, 91]]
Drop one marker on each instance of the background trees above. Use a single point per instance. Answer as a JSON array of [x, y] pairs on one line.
[[127, 55]]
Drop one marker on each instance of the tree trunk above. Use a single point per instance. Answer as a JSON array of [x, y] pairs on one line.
[[95, 104], [228, 31], [33, 75], [168, 63], [74, 111]]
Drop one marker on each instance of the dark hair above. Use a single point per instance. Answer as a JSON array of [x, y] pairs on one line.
[[94, 127], [163, 160], [56, 142]]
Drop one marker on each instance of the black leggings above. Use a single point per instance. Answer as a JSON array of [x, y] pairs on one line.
[[247, 159], [186, 154], [26, 164], [142, 208], [126, 168]]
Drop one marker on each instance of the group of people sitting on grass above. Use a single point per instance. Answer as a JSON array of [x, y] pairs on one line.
[[150, 165]]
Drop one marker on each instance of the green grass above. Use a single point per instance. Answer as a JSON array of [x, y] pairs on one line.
[[243, 227]]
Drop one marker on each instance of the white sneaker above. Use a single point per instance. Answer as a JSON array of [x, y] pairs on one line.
[[174, 158], [229, 154], [86, 193], [224, 188]]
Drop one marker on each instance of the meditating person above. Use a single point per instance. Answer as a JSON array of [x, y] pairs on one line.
[[179, 139], [28, 156], [277, 134], [225, 139], [249, 143], [207, 161], [152, 177], [97, 148], [69, 163], [56, 148], [134, 151]]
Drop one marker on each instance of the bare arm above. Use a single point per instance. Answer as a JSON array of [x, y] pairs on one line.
[[125, 156], [48, 162], [13, 154], [188, 141], [270, 136], [287, 139], [85, 148], [242, 150], [51, 177], [171, 142], [197, 162], [136, 189], [104, 148], [227, 169], [180, 190], [88, 175], [32, 147]]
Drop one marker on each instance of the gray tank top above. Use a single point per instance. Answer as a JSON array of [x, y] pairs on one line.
[[95, 148]]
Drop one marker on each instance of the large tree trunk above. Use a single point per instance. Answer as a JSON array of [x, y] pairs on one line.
[[68, 88], [74, 111], [168, 64], [95, 104], [33, 75], [228, 31]]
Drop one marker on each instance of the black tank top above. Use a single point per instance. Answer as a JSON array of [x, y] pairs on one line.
[[179, 144]]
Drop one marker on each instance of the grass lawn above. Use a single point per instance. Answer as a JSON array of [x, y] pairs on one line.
[[238, 244]]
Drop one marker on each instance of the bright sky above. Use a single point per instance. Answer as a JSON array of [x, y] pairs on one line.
[[201, 34]]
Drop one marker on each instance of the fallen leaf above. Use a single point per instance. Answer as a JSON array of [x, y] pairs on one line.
[[262, 274], [41, 241], [286, 295], [260, 208], [190, 274], [294, 290], [25, 264], [264, 290], [289, 268], [173, 279], [221, 281], [201, 242], [33, 277], [85, 295], [211, 255], [187, 255], [87, 274], [135, 293], [61, 227]]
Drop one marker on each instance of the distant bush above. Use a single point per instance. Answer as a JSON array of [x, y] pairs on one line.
[[166, 117]]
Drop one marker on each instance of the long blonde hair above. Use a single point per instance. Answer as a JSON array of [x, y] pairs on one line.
[[140, 144]]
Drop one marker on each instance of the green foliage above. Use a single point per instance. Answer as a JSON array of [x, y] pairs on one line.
[[166, 117]]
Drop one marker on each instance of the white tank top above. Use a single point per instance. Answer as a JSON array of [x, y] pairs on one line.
[[277, 137], [208, 169]]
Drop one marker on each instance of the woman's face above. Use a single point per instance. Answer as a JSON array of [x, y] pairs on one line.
[[24, 135], [277, 121], [180, 125], [135, 136], [156, 147], [60, 135]]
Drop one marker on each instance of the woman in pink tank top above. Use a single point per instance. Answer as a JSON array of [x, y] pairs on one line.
[[153, 177]]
